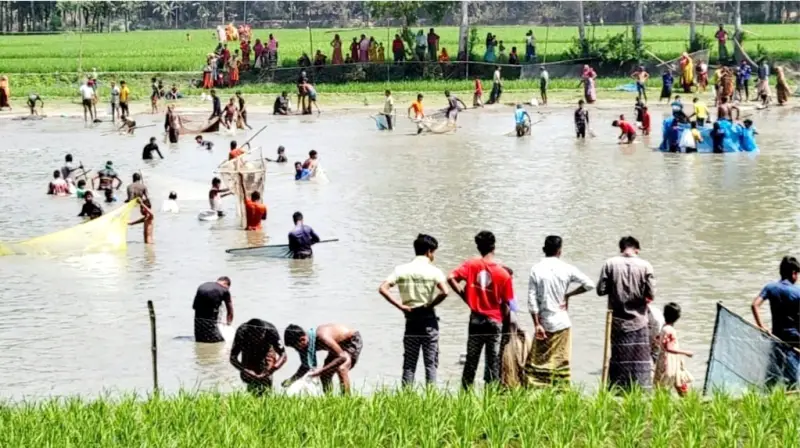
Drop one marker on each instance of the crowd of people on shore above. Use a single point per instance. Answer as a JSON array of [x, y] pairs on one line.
[[644, 343]]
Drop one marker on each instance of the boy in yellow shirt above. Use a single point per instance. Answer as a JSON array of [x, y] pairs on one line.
[[124, 94], [700, 112]]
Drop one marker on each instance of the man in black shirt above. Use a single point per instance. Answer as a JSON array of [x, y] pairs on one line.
[[259, 343], [281, 106], [301, 238], [147, 152], [216, 111], [90, 209], [206, 305]]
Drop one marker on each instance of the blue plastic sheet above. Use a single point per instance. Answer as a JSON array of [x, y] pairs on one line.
[[737, 137]]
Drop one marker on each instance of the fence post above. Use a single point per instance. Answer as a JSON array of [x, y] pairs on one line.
[[606, 351], [153, 345]]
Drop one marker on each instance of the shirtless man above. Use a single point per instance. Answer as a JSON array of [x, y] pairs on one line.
[[128, 125], [242, 110], [262, 353], [281, 156], [342, 344], [215, 195], [641, 76], [146, 219], [724, 110], [106, 177], [311, 163], [230, 113]]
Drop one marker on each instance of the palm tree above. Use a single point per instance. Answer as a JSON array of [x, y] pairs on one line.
[[582, 29], [737, 32], [639, 24], [692, 23], [165, 10], [463, 29]]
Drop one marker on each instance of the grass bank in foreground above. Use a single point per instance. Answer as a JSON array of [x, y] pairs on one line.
[[517, 418]]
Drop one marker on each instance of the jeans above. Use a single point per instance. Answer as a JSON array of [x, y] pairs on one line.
[[422, 333], [482, 332]]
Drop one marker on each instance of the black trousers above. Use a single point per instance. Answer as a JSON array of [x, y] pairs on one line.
[[421, 334], [483, 335]]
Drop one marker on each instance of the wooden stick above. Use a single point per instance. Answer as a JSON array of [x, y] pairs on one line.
[[606, 351], [153, 345]]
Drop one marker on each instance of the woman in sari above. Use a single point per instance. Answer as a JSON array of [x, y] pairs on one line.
[[727, 83], [233, 69], [354, 50], [336, 43], [208, 80], [587, 79], [491, 42], [245, 47], [5, 93], [258, 49], [687, 73], [363, 49], [373, 50], [781, 86]]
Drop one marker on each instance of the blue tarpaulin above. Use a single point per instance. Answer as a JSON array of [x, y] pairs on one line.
[[737, 137]]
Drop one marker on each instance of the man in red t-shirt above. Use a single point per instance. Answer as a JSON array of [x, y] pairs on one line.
[[627, 130], [487, 291], [398, 49]]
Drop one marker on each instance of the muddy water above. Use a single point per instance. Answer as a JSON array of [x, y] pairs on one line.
[[714, 228]]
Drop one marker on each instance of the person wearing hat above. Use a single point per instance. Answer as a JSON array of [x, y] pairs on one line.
[[105, 178]]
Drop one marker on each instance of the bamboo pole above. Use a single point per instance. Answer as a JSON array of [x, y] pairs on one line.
[[606, 351], [153, 344]]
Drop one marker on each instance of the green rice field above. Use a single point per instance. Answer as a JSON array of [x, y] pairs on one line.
[[517, 418], [165, 51]]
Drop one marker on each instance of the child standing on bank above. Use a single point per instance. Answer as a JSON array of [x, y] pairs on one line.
[[670, 370], [477, 100]]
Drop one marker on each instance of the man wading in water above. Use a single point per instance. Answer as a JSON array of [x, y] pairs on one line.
[[342, 344], [422, 287], [207, 300], [301, 238], [259, 344], [628, 282]]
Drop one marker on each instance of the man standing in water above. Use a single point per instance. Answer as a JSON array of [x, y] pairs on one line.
[[724, 110], [259, 344], [216, 107], [207, 301], [581, 120], [106, 177], [311, 162], [422, 287], [255, 211], [90, 209], [548, 302], [629, 283], [388, 109], [342, 344], [137, 190], [88, 97], [487, 291], [242, 110], [522, 121], [147, 152], [301, 238], [784, 303], [215, 195], [452, 107]]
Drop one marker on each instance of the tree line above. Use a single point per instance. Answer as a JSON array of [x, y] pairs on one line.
[[107, 16]]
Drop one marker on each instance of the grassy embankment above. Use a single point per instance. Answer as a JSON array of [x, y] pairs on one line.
[[49, 64], [518, 418]]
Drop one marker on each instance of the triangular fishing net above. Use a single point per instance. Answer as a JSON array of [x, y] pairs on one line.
[[243, 177], [107, 233]]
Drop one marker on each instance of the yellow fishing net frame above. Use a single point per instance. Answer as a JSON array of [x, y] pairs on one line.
[[108, 233], [250, 171]]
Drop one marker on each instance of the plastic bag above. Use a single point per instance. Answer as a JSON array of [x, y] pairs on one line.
[[306, 386]]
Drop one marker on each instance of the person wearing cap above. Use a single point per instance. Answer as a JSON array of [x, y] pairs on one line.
[[641, 76], [105, 178]]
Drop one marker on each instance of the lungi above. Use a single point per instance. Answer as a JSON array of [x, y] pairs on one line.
[[631, 361], [548, 362]]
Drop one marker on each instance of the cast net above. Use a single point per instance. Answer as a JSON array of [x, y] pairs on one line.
[[244, 175], [107, 233], [743, 358]]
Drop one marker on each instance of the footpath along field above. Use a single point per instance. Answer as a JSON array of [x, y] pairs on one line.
[[516, 418], [169, 51]]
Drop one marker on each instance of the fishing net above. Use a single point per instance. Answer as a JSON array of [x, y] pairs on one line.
[[107, 233], [743, 358], [243, 177]]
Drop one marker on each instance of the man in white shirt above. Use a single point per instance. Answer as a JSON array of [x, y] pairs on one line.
[[114, 101], [497, 87], [388, 109], [548, 301], [422, 286], [88, 96]]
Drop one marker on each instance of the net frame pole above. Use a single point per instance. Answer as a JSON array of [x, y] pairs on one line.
[[153, 344], [709, 366]]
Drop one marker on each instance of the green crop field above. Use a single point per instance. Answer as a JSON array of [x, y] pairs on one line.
[[516, 418], [161, 51]]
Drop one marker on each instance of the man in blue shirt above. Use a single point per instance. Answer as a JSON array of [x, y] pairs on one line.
[[784, 304], [522, 120], [301, 238], [743, 80]]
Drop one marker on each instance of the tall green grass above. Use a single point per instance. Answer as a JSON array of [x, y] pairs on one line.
[[171, 51], [548, 418]]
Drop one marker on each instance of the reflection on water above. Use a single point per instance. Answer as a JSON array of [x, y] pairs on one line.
[[714, 228]]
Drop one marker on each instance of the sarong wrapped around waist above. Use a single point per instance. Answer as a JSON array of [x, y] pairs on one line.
[[631, 361], [548, 362]]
